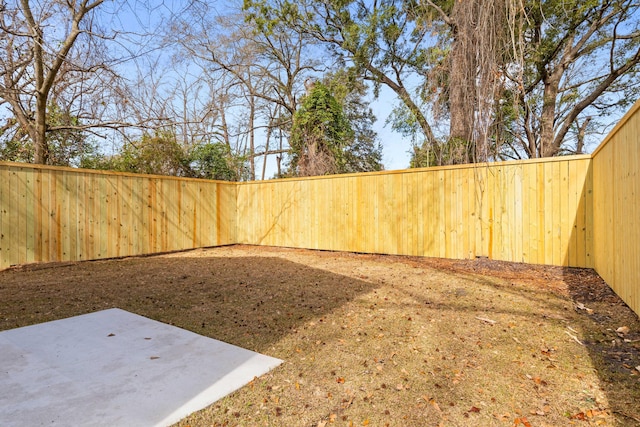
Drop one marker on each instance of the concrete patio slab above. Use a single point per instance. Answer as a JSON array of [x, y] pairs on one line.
[[115, 368]]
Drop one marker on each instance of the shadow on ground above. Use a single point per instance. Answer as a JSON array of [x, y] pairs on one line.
[[251, 302], [376, 339], [611, 333], [598, 313]]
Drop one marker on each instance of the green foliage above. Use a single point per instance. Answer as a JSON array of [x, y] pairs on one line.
[[216, 161], [319, 135], [454, 151], [157, 154], [364, 153], [15, 149], [161, 154], [422, 156], [67, 144], [404, 122], [594, 70], [385, 42], [393, 42]]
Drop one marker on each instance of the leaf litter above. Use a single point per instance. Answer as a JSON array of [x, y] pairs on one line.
[[373, 340]]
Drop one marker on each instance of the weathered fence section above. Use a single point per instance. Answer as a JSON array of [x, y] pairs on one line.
[[63, 214], [616, 171], [529, 211]]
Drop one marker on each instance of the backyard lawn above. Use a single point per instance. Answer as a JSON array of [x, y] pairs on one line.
[[373, 340]]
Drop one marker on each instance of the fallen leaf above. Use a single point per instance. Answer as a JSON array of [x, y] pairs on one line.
[[365, 422], [579, 416], [581, 306], [523, 421], [433, 402], [622, 330], [154, 357], [474, 409], [340, 380], [111, 335], [539, 381]]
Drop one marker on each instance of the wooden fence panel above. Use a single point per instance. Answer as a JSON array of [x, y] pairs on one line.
[[616, 215], [531, 211], [64, 214]]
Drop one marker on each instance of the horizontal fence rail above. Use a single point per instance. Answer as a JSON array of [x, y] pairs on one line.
[[579, 211], [61, 214]]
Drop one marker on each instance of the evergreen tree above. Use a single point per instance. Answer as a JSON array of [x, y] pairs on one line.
[[320, 134]]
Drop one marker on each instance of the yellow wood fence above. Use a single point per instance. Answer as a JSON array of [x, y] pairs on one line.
[[529, 211], [63, 214], [616, 172]]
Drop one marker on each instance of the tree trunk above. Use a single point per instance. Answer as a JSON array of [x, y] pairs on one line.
[[46, 74], [40, 134], [252, 147], [266, 150], [582, 131], [462, 78], [547, 147]]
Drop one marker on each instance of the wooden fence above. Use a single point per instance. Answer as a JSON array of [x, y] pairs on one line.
[[616, 172], [63, 214], [529, 211], [581, 211]]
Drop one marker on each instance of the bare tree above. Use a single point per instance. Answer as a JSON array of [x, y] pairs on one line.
[[35, 51], [573, 64], [264, 73]]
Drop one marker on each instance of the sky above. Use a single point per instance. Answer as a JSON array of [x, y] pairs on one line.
[[396, 147], [139, 16]]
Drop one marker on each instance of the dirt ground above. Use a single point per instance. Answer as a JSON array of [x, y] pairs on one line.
[[370, 339]]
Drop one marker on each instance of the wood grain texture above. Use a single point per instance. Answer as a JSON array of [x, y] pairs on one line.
[[530, 211], [63, 214], [615, 219]]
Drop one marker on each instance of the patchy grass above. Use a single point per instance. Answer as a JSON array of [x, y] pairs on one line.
[[373, 340]]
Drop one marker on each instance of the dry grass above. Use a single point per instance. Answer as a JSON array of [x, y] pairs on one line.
[[373, 340]]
